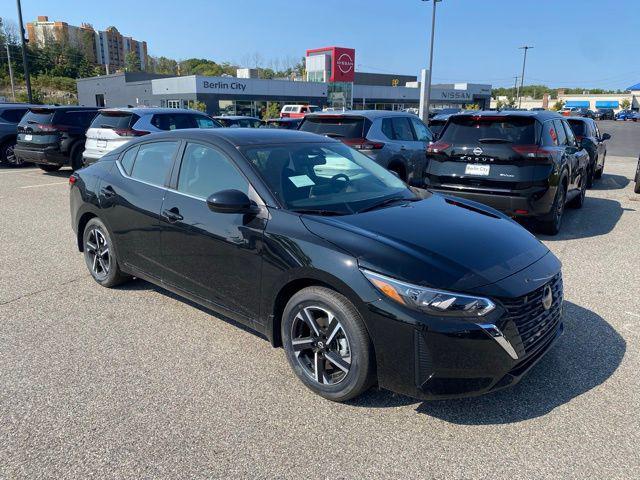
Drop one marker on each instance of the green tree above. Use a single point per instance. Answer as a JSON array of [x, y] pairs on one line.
[[199, 106], [558, 105], [625, 104], [132, 62], [272, 111]]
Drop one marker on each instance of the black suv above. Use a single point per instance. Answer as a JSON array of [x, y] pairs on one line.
[[590, 138], [527, 164], [54, 136], [605, 114], [10, 115]]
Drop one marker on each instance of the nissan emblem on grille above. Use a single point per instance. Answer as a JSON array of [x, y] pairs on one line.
[[477, 151], [547, 297]]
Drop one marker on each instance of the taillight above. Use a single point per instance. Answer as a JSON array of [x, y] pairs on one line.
[[52, 128], [532, 151], [363, 144], [73, 179], [437, 147], [579, 137], [130, 132]]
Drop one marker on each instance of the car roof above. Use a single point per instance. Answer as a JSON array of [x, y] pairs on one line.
[[15, 105], [62, 107], [235, 117], [150, 110], [540, 115], [370, 114], [285, 119], [244, 136]]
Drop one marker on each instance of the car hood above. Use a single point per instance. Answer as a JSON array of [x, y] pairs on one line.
[[439, 241]]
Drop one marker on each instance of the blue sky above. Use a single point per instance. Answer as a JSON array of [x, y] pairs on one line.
[[585, 43]]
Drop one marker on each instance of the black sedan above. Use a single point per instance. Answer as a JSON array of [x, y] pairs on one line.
[[360, 278]]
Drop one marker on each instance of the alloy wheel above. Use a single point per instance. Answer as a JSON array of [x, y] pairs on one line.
[[559, 207], [97, 253], [10, 156], [320, 345]]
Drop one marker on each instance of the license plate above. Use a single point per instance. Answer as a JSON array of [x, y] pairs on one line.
[[28, 137], [474, 169], [101, 143]]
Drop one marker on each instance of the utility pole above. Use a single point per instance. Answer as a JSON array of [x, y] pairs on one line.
[[524, 63], [515, 87], [427, 99], [25, 64], [13, 88]]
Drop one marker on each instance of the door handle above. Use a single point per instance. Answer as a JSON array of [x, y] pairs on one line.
[[107, 192], [402, 147], [172, 215]]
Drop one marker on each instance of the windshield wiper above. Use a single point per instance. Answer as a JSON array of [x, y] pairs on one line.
[[388, 201], [334, 135], [494, 140], [319, 211]]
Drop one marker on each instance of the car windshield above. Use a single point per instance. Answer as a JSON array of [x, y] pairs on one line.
[[327, 178], [468, 129]]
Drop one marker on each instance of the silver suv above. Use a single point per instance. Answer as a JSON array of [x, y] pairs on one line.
[[397, 141], [114, 127]]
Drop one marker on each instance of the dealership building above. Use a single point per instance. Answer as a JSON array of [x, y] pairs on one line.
[[330, 81]]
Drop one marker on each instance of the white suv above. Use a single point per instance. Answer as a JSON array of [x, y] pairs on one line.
[[113, 127]]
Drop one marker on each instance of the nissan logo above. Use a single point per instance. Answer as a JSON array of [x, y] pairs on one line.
[[477, 151], [345, 63], [547, 297]]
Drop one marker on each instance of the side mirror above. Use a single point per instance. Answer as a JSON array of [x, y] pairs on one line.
[[605, 136], [231, 201]]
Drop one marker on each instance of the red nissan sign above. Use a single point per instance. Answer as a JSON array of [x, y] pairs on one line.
[[343, 62]]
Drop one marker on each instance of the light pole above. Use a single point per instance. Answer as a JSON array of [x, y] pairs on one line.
[[524, 63], [27, 80], [427, 100]]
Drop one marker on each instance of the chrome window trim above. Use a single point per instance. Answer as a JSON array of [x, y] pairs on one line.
[[125, 175]]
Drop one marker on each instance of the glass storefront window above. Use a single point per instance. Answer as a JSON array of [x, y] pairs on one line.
[[340, 95]]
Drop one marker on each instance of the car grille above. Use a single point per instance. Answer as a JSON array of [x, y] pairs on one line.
[[533, 324]]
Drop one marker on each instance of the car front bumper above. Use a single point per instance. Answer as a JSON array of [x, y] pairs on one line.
[[431, 358]]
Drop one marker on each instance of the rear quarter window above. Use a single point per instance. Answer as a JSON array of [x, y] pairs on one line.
[[578, 127]]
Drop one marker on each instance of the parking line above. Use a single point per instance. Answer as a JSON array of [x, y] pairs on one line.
[[45, 184]]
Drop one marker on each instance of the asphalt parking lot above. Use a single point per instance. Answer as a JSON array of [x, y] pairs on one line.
[[135, 382]]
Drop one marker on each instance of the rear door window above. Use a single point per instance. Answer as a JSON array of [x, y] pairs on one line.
[[114, 120], [562, 136], [205, 122], [153, 162], [338, 126], [549, 135], [423, 133], [469, 129], [571, 139], [402, 129], [174, 121]]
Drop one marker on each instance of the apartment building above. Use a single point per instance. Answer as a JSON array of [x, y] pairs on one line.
[[106, 47]]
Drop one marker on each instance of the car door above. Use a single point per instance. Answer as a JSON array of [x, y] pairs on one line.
[[213, 256], [600, 143], [567, 153], [423, 137], [131, 200]]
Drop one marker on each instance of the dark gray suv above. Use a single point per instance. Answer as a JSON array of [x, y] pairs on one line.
[[397, 141], [10, 116]]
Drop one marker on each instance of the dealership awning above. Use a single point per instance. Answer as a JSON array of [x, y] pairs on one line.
[[607, 104], [577, 103]]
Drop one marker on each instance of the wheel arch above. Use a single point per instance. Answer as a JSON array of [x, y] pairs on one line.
[[293, 286], [398, 165], [82, 223]]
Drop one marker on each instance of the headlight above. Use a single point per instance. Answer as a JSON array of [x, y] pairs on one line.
[[429, 300]]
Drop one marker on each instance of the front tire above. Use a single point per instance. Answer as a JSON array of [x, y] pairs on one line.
[[327, 344], [100, 256], [578, 200], [8, 156], [636, 188]]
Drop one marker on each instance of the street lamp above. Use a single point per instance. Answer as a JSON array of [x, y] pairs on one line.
[[27, 80], [425, 112], [524, 62]]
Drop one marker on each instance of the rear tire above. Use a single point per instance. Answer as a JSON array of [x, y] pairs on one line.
[[76, 158], [552, 226], [8, 156], [50, 168], [578, 200], [327, 344], [591, 174], [599, 171], [100, 255], [636, 188]]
